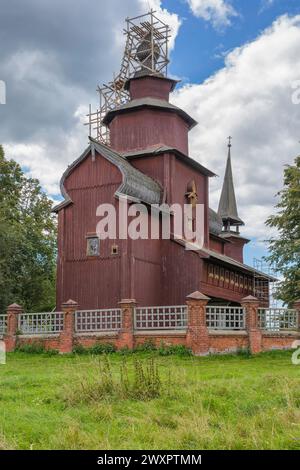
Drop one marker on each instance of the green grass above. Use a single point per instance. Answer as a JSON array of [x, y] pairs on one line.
[[228, 402]]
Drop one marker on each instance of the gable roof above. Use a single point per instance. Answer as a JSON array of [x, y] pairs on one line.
[[135, 185]]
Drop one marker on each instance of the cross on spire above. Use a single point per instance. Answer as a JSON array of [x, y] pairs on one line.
[[229, 141]]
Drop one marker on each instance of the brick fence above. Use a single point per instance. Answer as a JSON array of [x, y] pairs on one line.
[[202, 328]]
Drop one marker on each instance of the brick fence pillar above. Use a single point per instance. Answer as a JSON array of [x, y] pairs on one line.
[[197, 338], [10, 336], [297, 307], [125, 337], [251, 305], [66, 336]]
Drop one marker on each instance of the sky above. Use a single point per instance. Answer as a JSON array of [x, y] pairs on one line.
[[239, 66]]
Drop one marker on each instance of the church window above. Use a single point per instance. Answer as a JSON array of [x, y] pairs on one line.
[[114, 250]]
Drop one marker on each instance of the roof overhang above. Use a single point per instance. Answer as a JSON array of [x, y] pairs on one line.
[[172, 82], [232, 262], [149, 103], [158, 150]]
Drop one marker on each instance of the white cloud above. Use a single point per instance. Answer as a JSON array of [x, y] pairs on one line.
[[48, 161], [266, 4], [52, 72], [218, 12], [250, 99]]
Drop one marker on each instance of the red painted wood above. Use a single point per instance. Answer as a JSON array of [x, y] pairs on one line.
[[144, 128], [150, 87], [154, 272]]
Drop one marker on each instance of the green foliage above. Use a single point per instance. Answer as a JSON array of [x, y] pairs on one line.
[[285, 249], [246, 353], [31, 348], [140, 382], [36, 348], [147, 346], [215, 402], [27, 241], [125, 351], [79, 349], [100, 348], [174, 350], [104, 348], [146, 383]]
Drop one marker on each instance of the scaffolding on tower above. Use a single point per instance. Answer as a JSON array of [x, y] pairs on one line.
[[146, 53], [265, 289]]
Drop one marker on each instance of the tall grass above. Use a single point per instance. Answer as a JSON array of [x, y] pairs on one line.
[[148, 401], [140, 381]]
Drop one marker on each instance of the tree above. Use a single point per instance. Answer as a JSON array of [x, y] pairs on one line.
[[27, 241], [285, 249]]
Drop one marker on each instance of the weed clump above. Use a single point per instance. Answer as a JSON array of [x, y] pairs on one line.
[[141, 381], [97, 349]]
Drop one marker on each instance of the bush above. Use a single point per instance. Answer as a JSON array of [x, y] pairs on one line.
[[147, 346], [125, 351], [51, 352], [100, 348], [246, 353], [105, 348], [36, 348], [79, 349], [174, 350]]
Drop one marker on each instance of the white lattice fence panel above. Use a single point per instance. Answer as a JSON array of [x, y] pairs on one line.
[[3, 323], [156, 318], [98, 320], [225, 318], [277, 319], [41, 323]]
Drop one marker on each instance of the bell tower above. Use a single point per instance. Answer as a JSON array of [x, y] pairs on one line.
[[135, 112]]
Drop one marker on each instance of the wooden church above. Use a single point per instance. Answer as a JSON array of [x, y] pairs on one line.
[[147, 161]]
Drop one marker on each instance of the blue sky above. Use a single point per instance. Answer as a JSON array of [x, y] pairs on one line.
[[200, 46]]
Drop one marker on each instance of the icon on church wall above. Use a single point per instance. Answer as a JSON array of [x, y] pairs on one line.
[[93, 246]]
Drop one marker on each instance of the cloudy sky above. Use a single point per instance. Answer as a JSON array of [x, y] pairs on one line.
[[238, 62]]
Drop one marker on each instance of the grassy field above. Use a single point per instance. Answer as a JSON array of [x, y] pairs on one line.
[[231, 402]]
